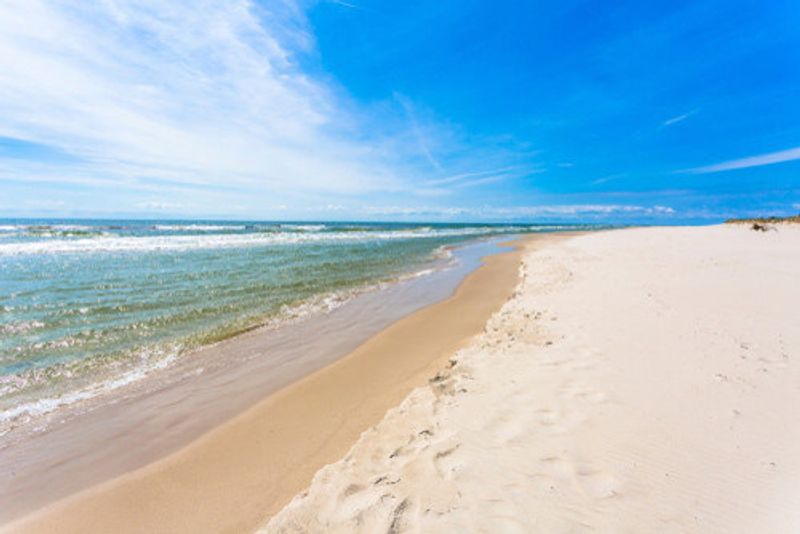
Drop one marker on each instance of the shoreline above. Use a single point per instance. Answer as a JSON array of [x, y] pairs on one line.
[[289, 315], [641, 380], [31, 413], [281, 441], [57, 455]]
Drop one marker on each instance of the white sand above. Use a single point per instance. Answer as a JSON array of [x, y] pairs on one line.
[[642, 380]]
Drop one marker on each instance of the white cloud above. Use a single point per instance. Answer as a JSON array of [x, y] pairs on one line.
[[679, 118], [416, 211], [198, 92], [420, 134], [520, 212], [585, 209], [157, 205], [343, 4], [450, 184], [469, 179], [203, 106], [608, 178], [752, 161]]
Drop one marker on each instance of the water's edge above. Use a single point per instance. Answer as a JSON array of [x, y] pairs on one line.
[[158, 415], [92, 306]]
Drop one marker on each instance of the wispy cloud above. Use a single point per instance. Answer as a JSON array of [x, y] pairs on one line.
[[158, 205], [474, 178], [679, 118], [452, 184], [420, 135], [194, 92], [752, 161], [343, 4], [523, 212], [608, 178], [585, 209]]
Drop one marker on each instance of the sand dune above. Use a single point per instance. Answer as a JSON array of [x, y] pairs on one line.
[[643, 380]]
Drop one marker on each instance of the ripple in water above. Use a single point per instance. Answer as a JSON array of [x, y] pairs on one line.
[[89, 307]]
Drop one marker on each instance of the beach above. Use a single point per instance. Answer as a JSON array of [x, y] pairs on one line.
[[641, 379], [306, 267], [256, 461], [49, 457]]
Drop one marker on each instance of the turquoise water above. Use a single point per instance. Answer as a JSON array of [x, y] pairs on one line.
[[88, 306]]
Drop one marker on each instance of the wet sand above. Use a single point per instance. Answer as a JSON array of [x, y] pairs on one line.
[[56, 456], [237, 475]]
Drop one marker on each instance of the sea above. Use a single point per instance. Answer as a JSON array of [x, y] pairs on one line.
[[89, 306]]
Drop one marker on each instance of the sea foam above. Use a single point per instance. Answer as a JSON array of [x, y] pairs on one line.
[[210, 241]]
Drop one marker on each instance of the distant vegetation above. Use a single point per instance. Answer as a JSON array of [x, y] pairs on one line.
[[762, 224]]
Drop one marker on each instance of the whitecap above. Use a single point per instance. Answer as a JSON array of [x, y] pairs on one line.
[[197, 227], [211, 241], [20, 327]]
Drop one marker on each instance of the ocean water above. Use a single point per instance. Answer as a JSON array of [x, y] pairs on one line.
[[90, 306]]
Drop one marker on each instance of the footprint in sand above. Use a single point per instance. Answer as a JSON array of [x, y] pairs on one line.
[[595, 397], [447, 462], [573, 390], [352, 489], [399, 518], [598, 484], [546, 417], [505, 428], [557, 467], [354, 500]]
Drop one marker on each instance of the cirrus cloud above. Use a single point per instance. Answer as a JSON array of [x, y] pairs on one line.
[[771, 158], [194, 92]]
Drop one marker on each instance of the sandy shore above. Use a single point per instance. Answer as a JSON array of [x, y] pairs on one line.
[[643, 380], [238, 475], [56, 456]]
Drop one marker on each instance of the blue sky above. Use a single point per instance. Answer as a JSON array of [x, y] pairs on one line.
[[448, 110]]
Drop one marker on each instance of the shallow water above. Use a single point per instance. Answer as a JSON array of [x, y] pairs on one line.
[[90, 306], [57, 454]]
